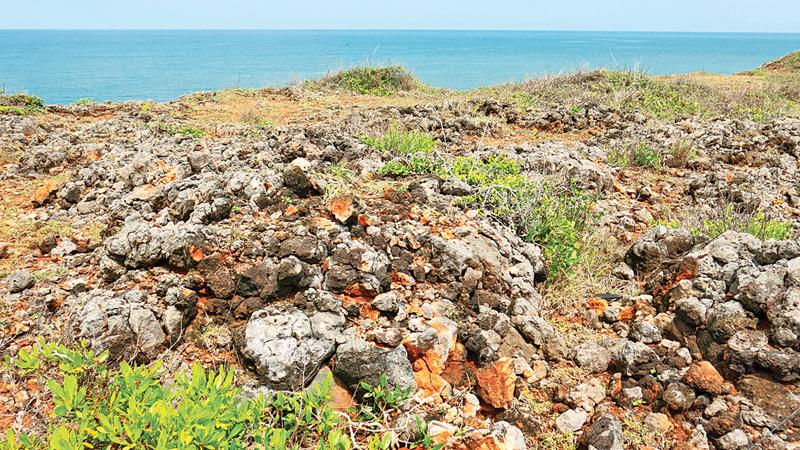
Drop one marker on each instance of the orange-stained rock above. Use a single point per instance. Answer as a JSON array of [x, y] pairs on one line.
[[43, 192], [702, 375], [496, 383], [626, 314], [342, 207], [598, 305], [341, 399]]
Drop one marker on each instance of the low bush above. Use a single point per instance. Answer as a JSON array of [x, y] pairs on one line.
[[86, 101], [138, 407], [20, 104], [545, 212], [174, 129], [369, 80]]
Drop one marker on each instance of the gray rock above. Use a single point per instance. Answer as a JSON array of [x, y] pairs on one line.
[[646, 332], [679, 396], [358, 361], [284, 347], [139, 245], [571, 420], [508, 436], [147, 328], [541, 334], [633, 358], [691, 310], [456, 187], [19, 281], [592, 357], [297, 177], [307, 248], [387, 302], [734, 440], [604, 434], [725, 319]]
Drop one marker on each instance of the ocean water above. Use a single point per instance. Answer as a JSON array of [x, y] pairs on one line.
[[64, 66]]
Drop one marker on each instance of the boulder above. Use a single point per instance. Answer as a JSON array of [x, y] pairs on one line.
[[284, 347]]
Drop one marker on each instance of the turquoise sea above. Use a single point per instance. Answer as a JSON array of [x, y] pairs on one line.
[[64, 66]]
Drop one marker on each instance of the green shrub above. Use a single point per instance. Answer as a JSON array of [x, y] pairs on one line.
[[543, 212], [136, 407], [369, 80], [20, 104], [196, 133], [84, 102]]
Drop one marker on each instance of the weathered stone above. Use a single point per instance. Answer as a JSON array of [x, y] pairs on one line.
[[704, 376], [571, 420], [285, 348], [679, 396], [19, 281], [592, 357], [604, 434], [633, 358], [358, 361]]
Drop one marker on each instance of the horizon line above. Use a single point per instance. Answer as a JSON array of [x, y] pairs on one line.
[[406, 29]]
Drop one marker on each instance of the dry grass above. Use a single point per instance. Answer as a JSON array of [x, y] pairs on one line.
[[600, 253]]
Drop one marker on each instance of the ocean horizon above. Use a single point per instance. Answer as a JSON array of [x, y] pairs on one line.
[[62, 66]]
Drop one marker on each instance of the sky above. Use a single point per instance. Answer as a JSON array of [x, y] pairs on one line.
[[601, 15]]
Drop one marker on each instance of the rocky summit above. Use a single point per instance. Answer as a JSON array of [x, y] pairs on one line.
[[602, 260]]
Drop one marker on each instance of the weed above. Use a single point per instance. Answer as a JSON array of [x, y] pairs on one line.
[[556, 441], [401, 143], [381, 399], [663, 99], [638, 435], [591, 274], [369, 80]]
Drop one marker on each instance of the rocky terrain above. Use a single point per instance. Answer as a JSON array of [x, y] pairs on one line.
[[631, 279]]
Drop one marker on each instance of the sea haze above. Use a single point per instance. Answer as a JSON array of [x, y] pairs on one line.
[[64, 66]]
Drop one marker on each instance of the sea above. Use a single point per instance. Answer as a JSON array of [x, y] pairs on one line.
[[65, 66]]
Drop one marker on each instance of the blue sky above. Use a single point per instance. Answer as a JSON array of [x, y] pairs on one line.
[[624, 15]]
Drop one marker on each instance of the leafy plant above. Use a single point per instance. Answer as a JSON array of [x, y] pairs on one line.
[[640, 154], [135, 407], [196, 133], [381, 398]]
